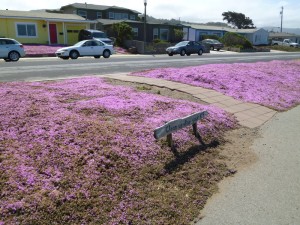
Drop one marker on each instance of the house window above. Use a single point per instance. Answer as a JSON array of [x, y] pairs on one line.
[[111, 15], [132, 17], [99, 15], [164, 34], [217, 34], [135, 32], [121, 16], [155, 33], [26, 30], [82, 13]]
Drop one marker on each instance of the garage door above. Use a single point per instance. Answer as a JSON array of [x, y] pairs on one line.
[[72, 33]]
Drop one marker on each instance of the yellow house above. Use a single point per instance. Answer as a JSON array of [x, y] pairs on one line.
[[39, 27]]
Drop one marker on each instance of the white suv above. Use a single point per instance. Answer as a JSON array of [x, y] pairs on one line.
[[11, 50]]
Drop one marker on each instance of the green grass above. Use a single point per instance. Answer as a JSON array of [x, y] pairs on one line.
[[284, 48]]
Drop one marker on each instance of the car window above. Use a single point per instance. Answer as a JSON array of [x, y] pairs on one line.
[[181, 43], [98, 43], [2, 42], [99, 35], [10, 42], [79, 43], [88, 43]]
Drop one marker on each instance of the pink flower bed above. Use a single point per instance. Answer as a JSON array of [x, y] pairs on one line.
[[71, 152], [41, 49], [275, 84], [121, 50]]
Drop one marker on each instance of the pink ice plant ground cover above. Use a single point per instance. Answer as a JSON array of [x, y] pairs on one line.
[[82, 151], [275, 84], [41, 49]]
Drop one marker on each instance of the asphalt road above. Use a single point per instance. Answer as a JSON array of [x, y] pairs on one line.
[[29, 69], [267, 193]]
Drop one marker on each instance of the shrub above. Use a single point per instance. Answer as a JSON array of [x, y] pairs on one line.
[[178, 35], [159, 41], [122, 31], [236, 40]]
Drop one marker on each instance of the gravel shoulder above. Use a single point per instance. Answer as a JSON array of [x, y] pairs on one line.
[[267, 191]]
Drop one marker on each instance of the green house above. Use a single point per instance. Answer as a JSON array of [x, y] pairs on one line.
[[40, 27]]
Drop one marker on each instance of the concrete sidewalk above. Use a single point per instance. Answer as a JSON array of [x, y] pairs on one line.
[[268, 192], [248, 114]]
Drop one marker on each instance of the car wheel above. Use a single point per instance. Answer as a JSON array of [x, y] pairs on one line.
[[74, 54], [218, 49], [170, 54], [200, 52], [212, 48], [106, 54], [182, 52], [14, 56], [97, 56]]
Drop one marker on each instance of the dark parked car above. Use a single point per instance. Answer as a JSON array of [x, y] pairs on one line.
[[186, 48], [94, 34], [213, 44]]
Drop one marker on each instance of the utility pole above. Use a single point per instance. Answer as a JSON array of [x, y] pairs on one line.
[[145, 15], [281, 13]]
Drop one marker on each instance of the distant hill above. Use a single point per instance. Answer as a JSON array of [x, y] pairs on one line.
[[285, 30], [176, 21]]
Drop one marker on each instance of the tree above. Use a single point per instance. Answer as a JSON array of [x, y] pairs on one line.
[[122, 31], [238, 20], [178, 34]]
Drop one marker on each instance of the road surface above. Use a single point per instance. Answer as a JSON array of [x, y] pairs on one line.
[[30, 69]]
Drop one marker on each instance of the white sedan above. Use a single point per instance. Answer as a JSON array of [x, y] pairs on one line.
[[94, 48], [11, 50]]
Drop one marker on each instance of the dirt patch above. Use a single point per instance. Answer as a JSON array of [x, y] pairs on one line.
[[237, 148], [157, 90]]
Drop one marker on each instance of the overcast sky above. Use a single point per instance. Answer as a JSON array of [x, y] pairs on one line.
[[262, 12]]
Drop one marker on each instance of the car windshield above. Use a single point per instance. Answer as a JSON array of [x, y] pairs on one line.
[[216, 42], [181, 43], [79, 43], [99, 35]]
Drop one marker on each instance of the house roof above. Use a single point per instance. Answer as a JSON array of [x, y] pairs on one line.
[[96, 7], [40, 15], [217, 28], [110, 22], [282, 34], [206, 27]]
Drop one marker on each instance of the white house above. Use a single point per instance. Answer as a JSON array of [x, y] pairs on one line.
[[255, 36], [194, 32]]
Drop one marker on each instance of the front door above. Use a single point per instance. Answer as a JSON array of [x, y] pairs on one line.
[[53, 33]]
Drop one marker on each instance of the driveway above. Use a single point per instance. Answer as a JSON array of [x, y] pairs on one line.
[[267, 192]]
